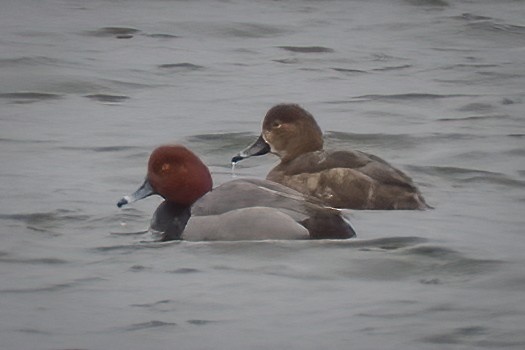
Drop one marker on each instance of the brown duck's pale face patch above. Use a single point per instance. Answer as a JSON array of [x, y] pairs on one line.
[[280, 138]]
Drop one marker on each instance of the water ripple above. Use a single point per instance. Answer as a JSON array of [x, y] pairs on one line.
[[43, 221], [148, 325], [40, 217], [33, 261], [184, 270], [389, 68], [108, 98], [467, 175], [29, 61], [432, 3], [307, 49], [471, 17], [157, 303], [200, 322], [104, 149], [27, 141], [404, 97], [496, 27], [122, 32], [184, 67], [162, 36], [348, 70], [53, 287], [250, 30], [29, 96]]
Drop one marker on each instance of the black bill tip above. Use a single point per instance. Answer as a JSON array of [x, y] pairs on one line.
[[237, 158], [122, 202]]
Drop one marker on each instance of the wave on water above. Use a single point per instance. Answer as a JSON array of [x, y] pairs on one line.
[[219, 144], [5, 258], [219, 137], [389, 68], [126, 33], [148, 325], [336, 139], [475, 117], [287, 61], [376, 244], [491, 26], [29, 96], [117, 32], [52, 287], [49, 288], [59, 222], [472, 17], [476, 337], [25, 141], [135, 246], [488, 28], [181, 67], [48, 222], [307, 49], [162, 36], [467, 175], [26, 61], [348, 70], [388, 258], [467, 66], [397, 141], [103, 149], [426, 3], [476, 107], [415, 96], [425, 263], [108, 98], [247, 30], [252, 30]]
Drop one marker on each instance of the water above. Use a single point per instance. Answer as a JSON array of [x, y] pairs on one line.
[[88, 89]]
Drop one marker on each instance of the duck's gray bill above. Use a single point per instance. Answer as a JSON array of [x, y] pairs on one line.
[[145, 190], [258, 148]]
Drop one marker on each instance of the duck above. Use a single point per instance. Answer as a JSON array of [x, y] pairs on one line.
[[339, 178], [240, 209]]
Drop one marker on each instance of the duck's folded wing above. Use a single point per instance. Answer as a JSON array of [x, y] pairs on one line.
[[255, 223], [245, 193], [321, 222], [367, 164]]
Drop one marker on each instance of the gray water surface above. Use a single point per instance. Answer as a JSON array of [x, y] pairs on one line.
[[89, 88]]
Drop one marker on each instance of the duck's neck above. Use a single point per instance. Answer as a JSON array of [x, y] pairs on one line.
[[292, 156], [170, 219]]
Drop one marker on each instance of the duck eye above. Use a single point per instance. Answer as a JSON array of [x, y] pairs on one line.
[[276, 125]]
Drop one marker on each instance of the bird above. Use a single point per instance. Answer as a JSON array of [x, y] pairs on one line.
[[240, 209], [339, 178]]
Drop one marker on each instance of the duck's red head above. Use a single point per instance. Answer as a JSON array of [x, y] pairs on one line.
[[178, 175]]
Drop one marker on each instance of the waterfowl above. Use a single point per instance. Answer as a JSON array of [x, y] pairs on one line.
[[339, 178], [241, 209]]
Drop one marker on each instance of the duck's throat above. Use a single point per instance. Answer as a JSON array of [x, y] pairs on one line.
[[170, 220]]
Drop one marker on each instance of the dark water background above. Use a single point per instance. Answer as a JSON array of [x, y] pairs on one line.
[[89, 88]]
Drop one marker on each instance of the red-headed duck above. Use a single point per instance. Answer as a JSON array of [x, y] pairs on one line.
[[339, 178], [242, 209]]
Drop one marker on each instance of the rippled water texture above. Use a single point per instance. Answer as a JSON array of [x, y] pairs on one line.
[[89, 88]]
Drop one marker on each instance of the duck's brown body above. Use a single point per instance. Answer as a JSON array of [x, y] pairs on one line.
[[349, 179], [341, 179]]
